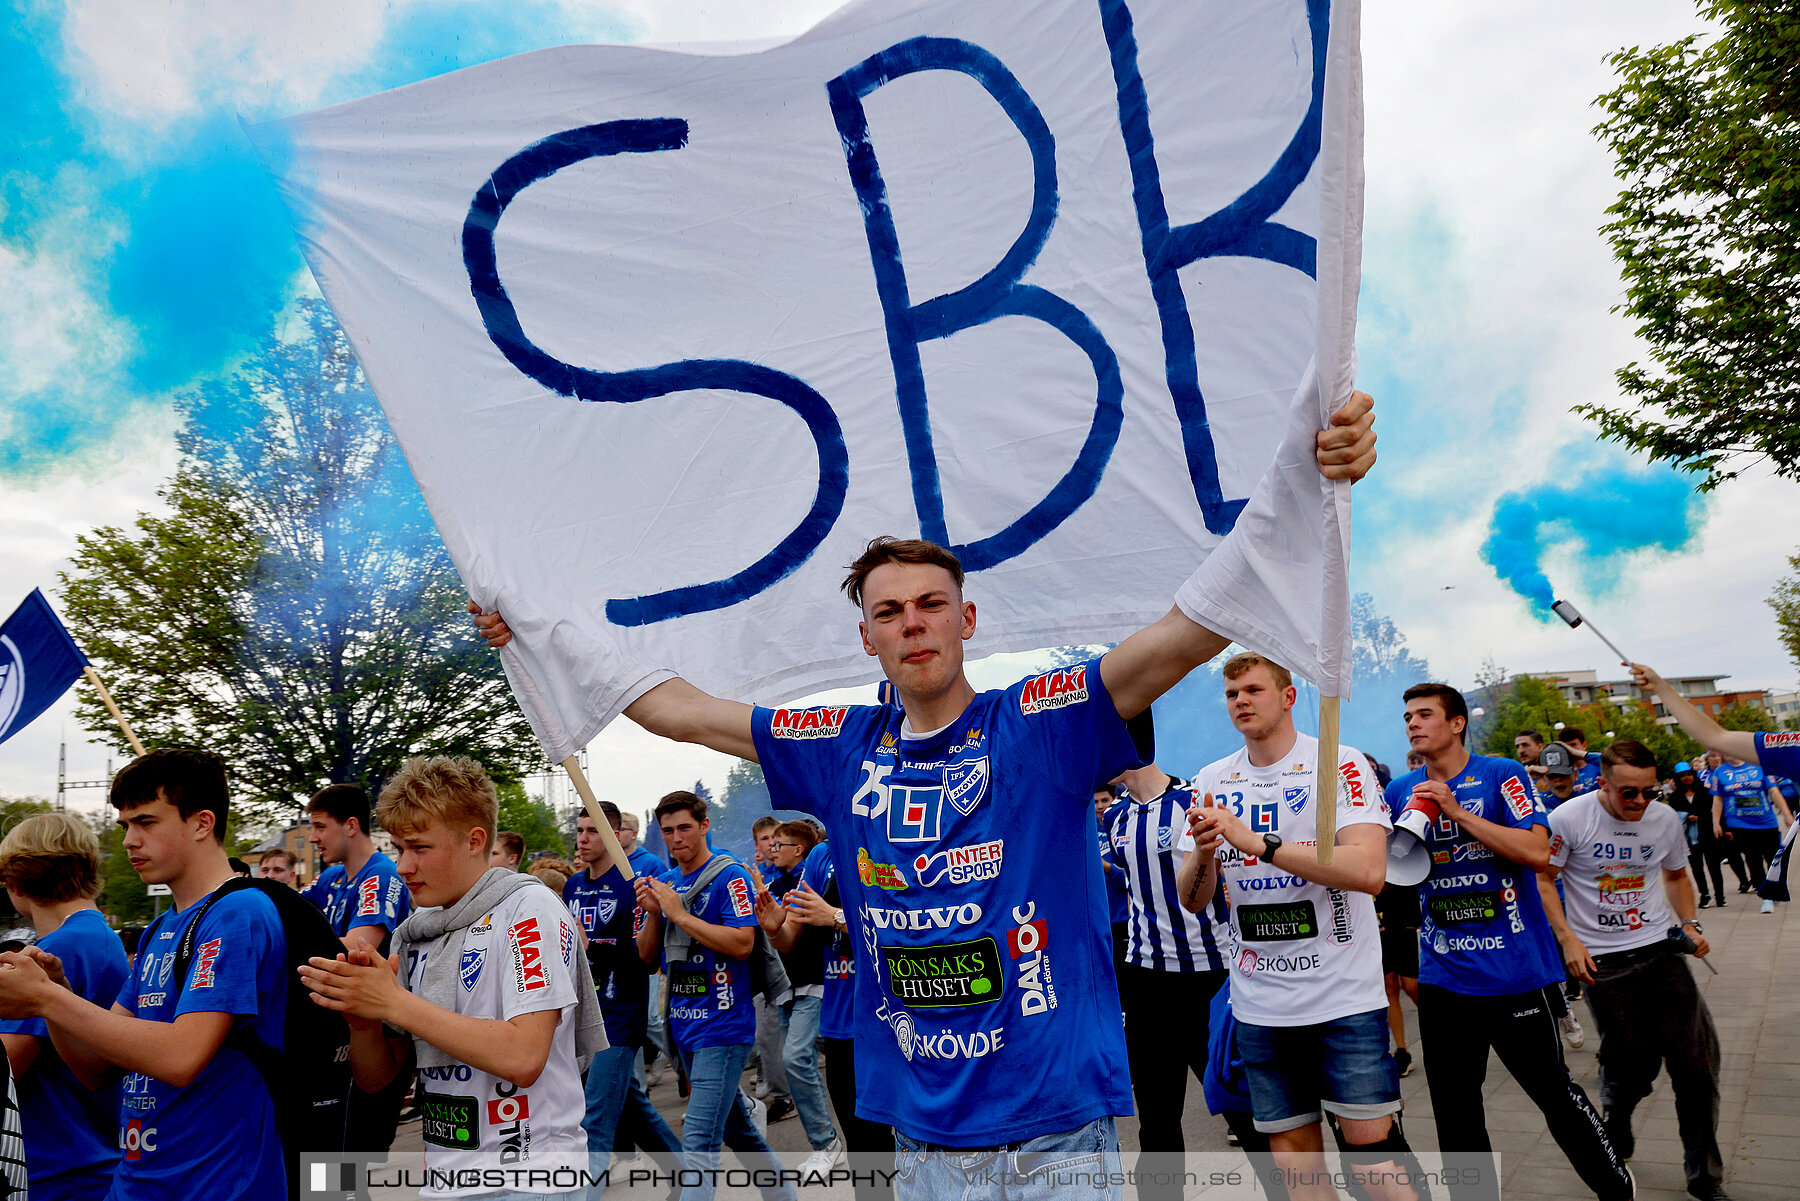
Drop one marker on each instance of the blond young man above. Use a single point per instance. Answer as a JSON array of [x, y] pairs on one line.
[[485, 990], [1305, 946], [50, 865]]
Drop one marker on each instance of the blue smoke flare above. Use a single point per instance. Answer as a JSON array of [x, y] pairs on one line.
[[1601, 516], [171, 238]]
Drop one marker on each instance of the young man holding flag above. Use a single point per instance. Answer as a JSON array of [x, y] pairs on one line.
[[1311, 1008], [962, 817]]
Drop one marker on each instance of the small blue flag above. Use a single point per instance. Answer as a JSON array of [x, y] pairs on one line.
[[38, 662]]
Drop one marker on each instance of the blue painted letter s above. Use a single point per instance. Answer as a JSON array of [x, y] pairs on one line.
[[539, 161]]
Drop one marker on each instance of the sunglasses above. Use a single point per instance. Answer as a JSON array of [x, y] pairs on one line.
[[1632, 794]]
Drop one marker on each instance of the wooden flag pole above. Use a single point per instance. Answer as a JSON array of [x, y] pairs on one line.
[[607, 836], [106, 699], [1325, 785]]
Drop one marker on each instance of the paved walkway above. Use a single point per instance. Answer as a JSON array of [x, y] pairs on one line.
[[1755, 1002]]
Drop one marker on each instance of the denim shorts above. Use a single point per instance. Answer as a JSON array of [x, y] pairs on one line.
[[1074, 1163], [1296, 1071]]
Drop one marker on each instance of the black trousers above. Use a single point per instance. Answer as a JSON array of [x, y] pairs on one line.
[[860, 1136], [1651, 1016], [1456, 1031], [1757, 847], [1161, 1049], [1707, 857], [1728, 853]]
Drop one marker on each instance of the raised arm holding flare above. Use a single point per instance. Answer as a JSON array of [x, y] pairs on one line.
[[975, 969]]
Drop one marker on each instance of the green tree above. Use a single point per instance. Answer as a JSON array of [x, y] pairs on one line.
[[1706, 134], [123, 896], [293, 608], [1526, 703], [1785, 600], [525, 815], [1637, 721], [1740, 716]]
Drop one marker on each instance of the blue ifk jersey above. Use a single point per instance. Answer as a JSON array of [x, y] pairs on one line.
[[1587, 776], [608, 913], [837, 1017], [375, 896], [986, 1009], [72, 1133], [216, 1137], [647, 864], [1744, 789], [709, 993], [1482, 928], [1779, 754]]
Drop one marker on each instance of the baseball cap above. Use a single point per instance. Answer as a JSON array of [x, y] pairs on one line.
[[1557, 760], [1681, 767]]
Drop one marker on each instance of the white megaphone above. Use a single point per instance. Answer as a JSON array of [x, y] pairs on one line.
[[1409, 859]]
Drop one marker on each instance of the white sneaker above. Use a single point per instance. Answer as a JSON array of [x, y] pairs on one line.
[[759, 1115], [1767, 907], [658, 1071], [1569, 1026], [762, 1090], [821, 1162]]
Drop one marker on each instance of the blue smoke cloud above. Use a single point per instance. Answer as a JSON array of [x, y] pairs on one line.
[[171, 237], [1601, 516]]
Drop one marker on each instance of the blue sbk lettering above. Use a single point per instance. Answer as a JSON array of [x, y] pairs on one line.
[[1244, 228], [545, 158]]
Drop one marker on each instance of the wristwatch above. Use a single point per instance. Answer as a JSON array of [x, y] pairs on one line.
[[1271, 843], [838, 920], [1698, 928]]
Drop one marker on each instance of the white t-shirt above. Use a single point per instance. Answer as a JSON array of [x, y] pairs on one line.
[[1612, 872], [1300, 953], [517, 959]]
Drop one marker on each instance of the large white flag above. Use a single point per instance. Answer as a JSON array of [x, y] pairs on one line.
[[668, 334]]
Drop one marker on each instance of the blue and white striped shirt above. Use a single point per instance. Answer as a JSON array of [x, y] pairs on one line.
[[1164, 937]]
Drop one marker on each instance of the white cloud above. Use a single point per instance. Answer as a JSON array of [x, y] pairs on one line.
[[167, 60]]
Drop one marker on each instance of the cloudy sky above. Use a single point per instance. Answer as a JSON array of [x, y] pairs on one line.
[[1485, 310]]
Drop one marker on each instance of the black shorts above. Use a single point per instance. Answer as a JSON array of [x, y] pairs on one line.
[[1400, 950]]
